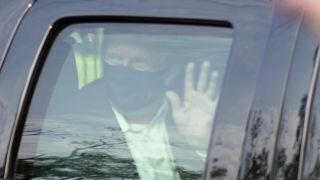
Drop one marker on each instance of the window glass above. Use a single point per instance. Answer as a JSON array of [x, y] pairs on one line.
[[125, 101]]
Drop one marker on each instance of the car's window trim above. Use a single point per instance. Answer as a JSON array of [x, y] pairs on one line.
[[43, 50], [307, 118]]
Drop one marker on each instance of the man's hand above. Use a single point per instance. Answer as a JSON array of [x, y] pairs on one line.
[[194, 113]]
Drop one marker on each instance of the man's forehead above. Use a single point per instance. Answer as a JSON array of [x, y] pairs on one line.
[[129, 39]]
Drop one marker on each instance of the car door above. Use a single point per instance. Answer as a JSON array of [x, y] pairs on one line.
[[255, 56], [309, 155], [274, 144]]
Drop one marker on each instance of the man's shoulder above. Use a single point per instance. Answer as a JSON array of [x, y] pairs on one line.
[[92, 88]]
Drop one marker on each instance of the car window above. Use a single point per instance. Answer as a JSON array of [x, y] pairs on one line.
[[125, 101]]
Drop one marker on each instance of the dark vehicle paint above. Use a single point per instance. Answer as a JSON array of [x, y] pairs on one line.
[[11, 14], [259, 88]]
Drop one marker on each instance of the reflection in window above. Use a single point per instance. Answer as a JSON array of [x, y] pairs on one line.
[[125, 101]]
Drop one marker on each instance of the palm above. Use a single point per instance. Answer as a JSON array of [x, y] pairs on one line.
[[195, 114]]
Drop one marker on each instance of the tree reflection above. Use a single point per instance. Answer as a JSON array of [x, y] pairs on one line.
[[81, 165], [218, 172], [91, 162]]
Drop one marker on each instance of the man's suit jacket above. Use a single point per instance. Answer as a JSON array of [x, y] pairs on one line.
[[91, 104]]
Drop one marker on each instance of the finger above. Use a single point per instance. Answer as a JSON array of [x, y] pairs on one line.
[[203, 77], [189, 78], [174, 100], [213, 85]]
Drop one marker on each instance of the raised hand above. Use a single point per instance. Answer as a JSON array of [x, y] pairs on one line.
[[194, 113]]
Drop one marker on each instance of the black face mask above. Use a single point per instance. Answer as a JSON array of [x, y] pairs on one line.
[[130, 89]]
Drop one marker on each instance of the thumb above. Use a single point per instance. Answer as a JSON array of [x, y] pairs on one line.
[[174, 100]]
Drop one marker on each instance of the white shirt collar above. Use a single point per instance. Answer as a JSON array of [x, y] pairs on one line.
[[125, 126]]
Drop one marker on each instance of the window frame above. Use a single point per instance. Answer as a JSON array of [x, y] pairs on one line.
[[309, 111], [47, 13], [44, 50]]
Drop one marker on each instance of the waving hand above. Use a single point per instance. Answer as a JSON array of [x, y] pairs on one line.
[[194, 113]]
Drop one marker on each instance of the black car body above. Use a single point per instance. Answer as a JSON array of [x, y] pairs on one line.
[[269, 92]]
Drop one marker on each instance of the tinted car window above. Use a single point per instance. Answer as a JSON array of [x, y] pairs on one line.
[[133, 101]]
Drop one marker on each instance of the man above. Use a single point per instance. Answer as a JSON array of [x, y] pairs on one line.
[[160, 127]]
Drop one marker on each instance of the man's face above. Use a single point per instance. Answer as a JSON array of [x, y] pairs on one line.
[[134, 75]]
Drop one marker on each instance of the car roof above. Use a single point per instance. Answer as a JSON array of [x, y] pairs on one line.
[[11, 13]]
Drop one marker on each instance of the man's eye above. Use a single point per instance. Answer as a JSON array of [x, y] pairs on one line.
[[113, 60]]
